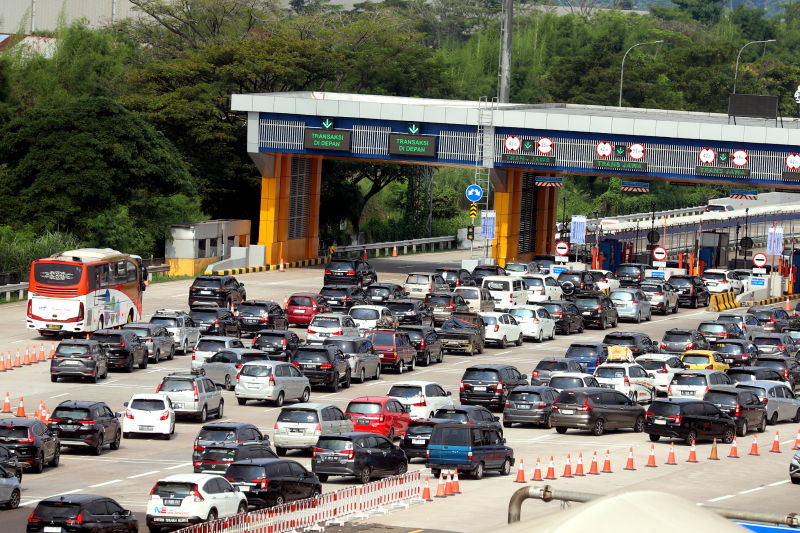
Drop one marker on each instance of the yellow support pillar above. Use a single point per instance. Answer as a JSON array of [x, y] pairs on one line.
[[507, 206]]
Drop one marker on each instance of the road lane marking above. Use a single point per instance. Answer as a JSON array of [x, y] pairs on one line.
[[779, 483], [723, 498], [178, 466], [145, 474], [106, 483], [59, 396], [751, 490]]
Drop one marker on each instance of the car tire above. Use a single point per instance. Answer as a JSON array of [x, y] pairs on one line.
[[56, 458], [540, 338], [478, 472], [203, 416], [241, 401], [796, 418], [503, 343], [362, 375], [242, 508], [13, 501], [649, 315], [279, 400], [553, 334], [763, 426], [54, 379], [690, 437], [694, 303], [398, 369], [212, 515], [228, 385], [582, 328], [599, 427], [37, 469], [347, 380], [390, 436], [568, 330], [334, 386], [519, 340], [98, 449], [638, 427], [743, 429], [157, 357], [638, 317], [561, 430], [220, 410], [129, 367], [427, 361], [675, 309], [506, 469], [93, 379], [616, 322], [655, 438], [377, 375], [185, 347], [364, 475], [280, 451], [143, 364], [507, 424], [306, 396], [727, 438], [402, 468], [171, 355], [115, 443]]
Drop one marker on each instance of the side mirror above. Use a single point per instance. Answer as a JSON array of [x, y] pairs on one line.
[[496, 418], [118, 415], [241, 284], [219, 387], [126, 513], [449, 393], [125, 404], [9, 474], [347, 356], [524, 376], [651, 375], [236, 488], [347, 416], [504, 441]]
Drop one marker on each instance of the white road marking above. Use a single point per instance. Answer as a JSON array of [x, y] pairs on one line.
[[788, 441], [59, 395], [723, 498], [751, 490], [145, 474], [779, 483], [106, 483], [178, 466]]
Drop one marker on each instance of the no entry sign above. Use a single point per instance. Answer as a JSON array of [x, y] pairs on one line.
[[760, 260], [562, 248], [659, 253]]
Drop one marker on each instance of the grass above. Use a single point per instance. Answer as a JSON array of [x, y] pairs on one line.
[[161, 277], [14, 298]]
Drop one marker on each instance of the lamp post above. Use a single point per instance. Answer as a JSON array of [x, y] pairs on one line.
[[622, 72], [736, 74]]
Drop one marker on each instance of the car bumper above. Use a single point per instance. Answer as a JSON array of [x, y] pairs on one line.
[[339, 280], [529, 330], [158, 428], [672, 432], [295, 442], [269, 393], [462, 467], [415, 453], [592, 319], [77, 442], [64, 373], [251, 328], [300, 318], [572, 421], [166, 521], [206, 302], [334, 468], [521, 417], [119, 362], [480, 400]]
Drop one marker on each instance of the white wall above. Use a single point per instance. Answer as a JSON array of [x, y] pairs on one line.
[[764, 200]]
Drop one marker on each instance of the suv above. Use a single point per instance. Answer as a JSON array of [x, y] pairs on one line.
[[216, 291], [478, 299], [209, 346], [364, 360], [521, 269], [184, 499], [776, 344], [79, 359], [780, 401], [299, 426], [529, 405], [216, 322], [273, 482], [279, 345], [469, 414], [574, 282], [456, 277], [395, 348], [663, 296], [323, 365], [637, 343], [224, 432], [689, 420], [192, 395], [662, 367], [747, 322], [589, 355], [86, 424], [304, 306], [340, 298], [742, 405], [748, 374], [596, 409], [631, 379], [630, 274], [566, 314], [185, 333], [677, 341], [411, 312], [550, 365], [444, 304], [373, 414], [274, 381], [427, 343], [32, 443], [786, 366], [597, 308], [489, 384], [215, 458], [157, 340], [473, 449], [255, 315], [773, 320], [224, 366], [87, 512], [719, 208], [415, 442], [695, 383], [420, 398], [330, 324], [363, 455], [418, 284], [715, 331], [482, 271], [719, 280], [691, 291], [123, 348], [350, 272], [384, 293], [632, 303]]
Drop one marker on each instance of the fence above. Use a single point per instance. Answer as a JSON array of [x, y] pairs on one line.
[[388, 247], [354, 502]]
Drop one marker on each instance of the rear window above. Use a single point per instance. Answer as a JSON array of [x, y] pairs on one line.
[[308, 356], [56, 511], [400, 306], [246, 472], [530, 397], [256, 371], [72, 413], [677, 337], [173, 488], [253, 356], [522, 313], [341, 265], [324, 322], [741, 376], [623, 296], [619, 341], [365, 314], [449, 274], [301, 416], [793, 334], [365, 408], [552, 308], [164, 321], [469, 294], [572, 397], [552, 366], [711, 328], [13, 432], [139, 332], [581, 351], [217, 434], [587, 302], [653, 365], [695, 359], [664, 408], [762, 315], [652, 288], [713, 275], [574, 278], [419, 430], [494, 285], [332, 443], [516, 268], [109, 338], [204, 315], [143, 404], [383, 339], [344, 346], [437, 301], [206, 283], [72, 349], [489, 320], [452, 414], [609, 372], [680, 282], [721, 398], [480, 375], [269, 338], [413, 334], [730, 348], [210, 346], [377, 291], [533, 282], [689, 379], [767, 363], [628, 270], [450, 436], [404, 391], [730, 318], [333, 293], [767, 341], [566, 383], [218, 455], [300, 301], [253, 309], [176, 385], [417, 280]]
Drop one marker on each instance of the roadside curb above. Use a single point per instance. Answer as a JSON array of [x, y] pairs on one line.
[[251, 270]]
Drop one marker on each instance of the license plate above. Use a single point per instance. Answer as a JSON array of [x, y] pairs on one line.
[[251, 320], [177, 405], [54, 326], [377, 298], [295, 430], [69, 428], [479, 389], [324, 334], [331, 458], [170, 520], [417, 441], [587, 312], [176, 503], [362, 421], [660, 422], [567, 411], [729, 361], [205, 292], [253, 385], [148, 428], [71, 363], [711, 284], [48, 529], [524, 407], [309, 367], [244, 488], [687, 393], [339, 273], [300, 311], [416, 290]]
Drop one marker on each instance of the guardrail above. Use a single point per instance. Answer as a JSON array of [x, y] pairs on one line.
[[686, 211], [388, 247], [6, 290], [158, 268]]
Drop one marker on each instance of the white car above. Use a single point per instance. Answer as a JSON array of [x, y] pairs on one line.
[[718, 280], [507, 291], [324, 325], [184, 499], [605, 279], [423, 397], [149, 414], [367, 316], [501, 329], [541, 287], [571, 380], [662, 367], [631, 379], [744, 277], [535, 321]]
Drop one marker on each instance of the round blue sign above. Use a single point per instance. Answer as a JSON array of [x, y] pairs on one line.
[[474, 193]]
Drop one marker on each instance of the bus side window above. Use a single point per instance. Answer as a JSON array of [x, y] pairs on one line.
[[105, 278], [131, 271], [122, 275]]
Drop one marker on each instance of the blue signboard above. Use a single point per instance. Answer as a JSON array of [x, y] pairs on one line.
[[757, 282], [578, 235], [558, 270], [547, 181], [488, 219], [474, 193], [657, 274], [742, 193]]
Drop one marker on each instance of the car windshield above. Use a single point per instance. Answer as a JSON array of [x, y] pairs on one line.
[[341, 265], [415, 279], [72, 349], [571, 397], [628, 270], [696, 359], [14, 432], [473, 374], [682, 282], [451, 414], [735, 319], [217, 434], [210, 346], [771, 363], [489, 320], [71, 413], [762, 315], [140, 332], [515, 267], [245, 357], [301, 416], [309, 356], [721, 398], [767, 341], [207, 283], [377, 291], [741, 376], [364, 314], [730, 348], [711, 328], [332, 443], [174, 488], [793, 334], [553, 366], [437, 301], [269, 338], [404, 391], [653, 365], [364, 408], [450, 274], [689, 379], [333, 293], [664, 409], [400, 306], [469, 294], [419, 430], [494, 285], [677, 337], [323, 322], [619, 341], [256, 371], [300, 301], [622, 296], [383, 339], [56, 511], [144, 404], [564, 382], [521, 396], [109, 338], [245, 472], [587, 302], [609, 372], [713, 276], [522, 313], [165, 321], [581, 351], [176, 385]]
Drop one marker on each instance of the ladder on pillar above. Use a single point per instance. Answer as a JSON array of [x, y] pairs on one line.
[[484, 148]]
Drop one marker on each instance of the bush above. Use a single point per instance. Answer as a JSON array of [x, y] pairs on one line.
[[19, 249]]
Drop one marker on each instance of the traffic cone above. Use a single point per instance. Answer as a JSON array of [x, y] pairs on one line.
[[567, 468], [426, 492], [734, 450], [38, 414], [607, 464], [692, 454], [364, 257], [629, 464], [579, 466], [7, 404], [271, 298], [456, 486], [285, 301], [796, 440], [448, 486], [776, 444], [52, 349], [537, 472], [593, 466], [551, 470], [46, 416], [754, 446], [394, 251], [42, 357], [440, 489], [520, 473], [21, 409], [651, 461], [9, 366], [671, 456], [281, 267], [2, 362], [27, 360], [714, 456], [16, 360]]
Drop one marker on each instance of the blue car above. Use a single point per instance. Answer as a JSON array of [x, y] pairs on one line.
[[588, 354], [472, 449]]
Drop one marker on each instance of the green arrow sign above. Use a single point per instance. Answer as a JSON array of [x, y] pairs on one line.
[[327, 123], [527, 145], [413, 128]]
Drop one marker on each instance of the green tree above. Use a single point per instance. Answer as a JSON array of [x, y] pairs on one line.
[[705, 11]]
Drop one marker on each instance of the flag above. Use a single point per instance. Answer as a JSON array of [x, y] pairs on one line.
[[775, 240]]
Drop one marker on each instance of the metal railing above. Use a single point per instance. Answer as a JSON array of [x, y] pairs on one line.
[[672, 213], [388, 247]]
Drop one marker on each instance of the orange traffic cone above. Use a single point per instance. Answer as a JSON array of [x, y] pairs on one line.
[[671, 456], [776, 444], [520, 473], [9, 366], [579, 466], [281, 267], [537, 473], [567, 468], [38, 414], [52, 349], [285, 301], [607, 464], [440, 489], [27, 360], [796, 440], [21, 409], [42, 357], [426, 492], [593, 466], [629, 464], [692, 454], [7, 404], [46, 416], [551, 470], [754, 446], [271, 298], [448, 486], [456, 487], [2, 362], [734, 450], [394, 252], [714, 456], [651, 461], [17, 361]]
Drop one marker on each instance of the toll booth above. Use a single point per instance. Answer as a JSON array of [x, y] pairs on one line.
[[612, 253], [796, 264]]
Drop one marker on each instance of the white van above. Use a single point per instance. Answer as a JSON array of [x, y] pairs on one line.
[[507, 291]]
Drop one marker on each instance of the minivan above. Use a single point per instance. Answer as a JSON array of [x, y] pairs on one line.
[[300, 426], [469, 448], [689, 420], [418, 284], [478, 299], [506, 291]]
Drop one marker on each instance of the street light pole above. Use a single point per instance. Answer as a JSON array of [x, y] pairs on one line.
[[736, 74], [622, 72]]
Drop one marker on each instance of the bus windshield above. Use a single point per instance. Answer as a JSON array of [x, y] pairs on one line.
[[57, 274]]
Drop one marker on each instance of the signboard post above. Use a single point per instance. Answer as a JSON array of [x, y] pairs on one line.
[[660, 256]]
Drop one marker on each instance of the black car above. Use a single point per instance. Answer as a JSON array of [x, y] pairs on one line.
[[219, 321], [715, 331], [255, 315], [363, 455], [123, 348], [773, 319], [273, 482], [226, 432], [630, 274], [414, 441], [215, 458], [744, 374], [216, 291], [678, 341], [689, 420], [470, 414], [427, 342], [86, 424], [32, 442], [383, 293], [638, 343], [349, 272], [456, 277], [343, 297], [9, 461], [785, 366], [489, 384], [77, 513], [566, 314], [737, 353], [742, 405], [82, 359], [411, 312], [692, 291], [529, 405], [323, 365], [597, 308], [280, 345], [549, 365], [776, 344], [574, 282], [482, 271]]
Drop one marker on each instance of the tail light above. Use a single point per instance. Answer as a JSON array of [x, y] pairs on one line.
[[508, 405], [690, 346], [451, 306], [272, 381], [430, 287], [427, 456], [312, 332], [785, 373], [676, 418], [165, 415], [738, 410], [458, 282], [317, 430], [585, 406], [663, 345], [422, 344], [381, 418], [30, 315], [765, 401], [662, 370], [216, 321], [599, 307], [724, 334], [325, 366], [29, 440], [196, 395], [635, 302], [264, 482], [496, 328], [239, 375], [339, 332], [263, 319], [78, 520], [295, 363], [32, 519], [771, 321], [328, 271], [780, 347], [128, 414], [159, 386], [197, 496], [627, 381], [658, 294], [283, 343], [691, 290], [669, 389], [558, 315], [535, 374], [582, 284], [461, 389], [317, 450], [469, 455], [649, 414], [724, 281], [351, 272], [201, 448], [499, 387], [194, 354], [706, 389], [535, 320], [350, 454], [421, 402], [238, 366], [710, 367], [554, 406]]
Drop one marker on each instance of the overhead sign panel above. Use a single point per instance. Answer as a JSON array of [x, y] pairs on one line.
[[723, 171], [545, 181], [337, 140], [744, 194], [530, 159], [421, 145], [629, 166], [635, 186]]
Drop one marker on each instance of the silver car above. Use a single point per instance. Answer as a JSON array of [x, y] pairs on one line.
[[156, 338], [299, 427], [224, 366], [273, 381], [695, 383], [325, 325], [778, 398], [193, 395], [663, 296], [748, 323], [632, 303], [208, 346], [365, 360], [185, 333], [9, 489]]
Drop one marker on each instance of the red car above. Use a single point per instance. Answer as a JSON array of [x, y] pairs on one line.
[[374, 414], [303, 306], [395, 348]]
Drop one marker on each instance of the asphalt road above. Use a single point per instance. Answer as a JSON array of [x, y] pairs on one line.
[[128, 474]]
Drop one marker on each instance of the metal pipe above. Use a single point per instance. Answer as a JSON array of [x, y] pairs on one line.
[[622, 71], [791, 520], [736, 75], [505, 55]]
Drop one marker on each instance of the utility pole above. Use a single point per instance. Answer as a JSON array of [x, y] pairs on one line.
[[505, 54]]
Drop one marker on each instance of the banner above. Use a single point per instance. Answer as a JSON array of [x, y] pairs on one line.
[[578, 235], [775, 240], [488, 219]]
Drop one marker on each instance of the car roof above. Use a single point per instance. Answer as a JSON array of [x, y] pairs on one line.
[[415, 382], [218, 310], [421, 274], [78, 341], [625, 334], [245, 350], [330, 315], [681, 330], [344, 338], [592, 344], [656, 357], [386, 285], [699, 352], [80, 403], [273, 332], [586, 390], [142, 325], [492, 313], [21, 422], [750, 368], [411, 300], [702, 371], [369, 306], [461, 407], [712, 322], [556, 358], [490, 366], [225, 425], [351, 435], [371, 399], [412, 328], [304, 294], [265, 461], [75, 498], [725, 388], [680, 400], [570, 375], [531, 388], [217, 338], [149, 396], [732, 341], [765, 383], [189, 478], [770, 336], [308, 406]]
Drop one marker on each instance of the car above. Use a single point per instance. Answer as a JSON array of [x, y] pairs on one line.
[[719, 281], [478, 299], [82, 359], [216, 291], [518, 268], [605, 279], [794, 333], [718, 208], [193, 395], [695, 383], [717, 331], [323, 365], [482, 271], [218, 433], [744, 276], [381, 294], [300, 426], [214, 458], [662, 368], [637, 343], [548, 366], [420, 398], [395, 348], [157, 340], [597, 308], [742, 405], [677, 341], [574, 282], [506, 291], [780, 401], [444, 304], [325, 325], [787, 366], [418, 284], [489, 384], [220, 321], [427, 343], [464, 332], [9, 462], [746, 374], [81, 512], [372, 414], [362, 455], [772, 319], [85, 424], [372, 316], [362, 356], [572, 380], [588, 354], [704, 359], [794, 469], [502, 329], [456, 277], [256, 315], [411, 312], [10, 489], [630, 274], [529, 405], [535, 322], [631, 379], [302, 307], [223, 367], [776, 344], [542, 287], [185, 333], [350, 272], [597, 410], [566, 314], [472, 449], [32, 442], [748, 323], [148, 414], [209, 346], [123, 349], [273, 482], [688, 419], [415, 441], [633, 304], [691, 291], [195, 498], [546, 260], [272, 381], [663, 296], [279, 345], [341, 298]]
